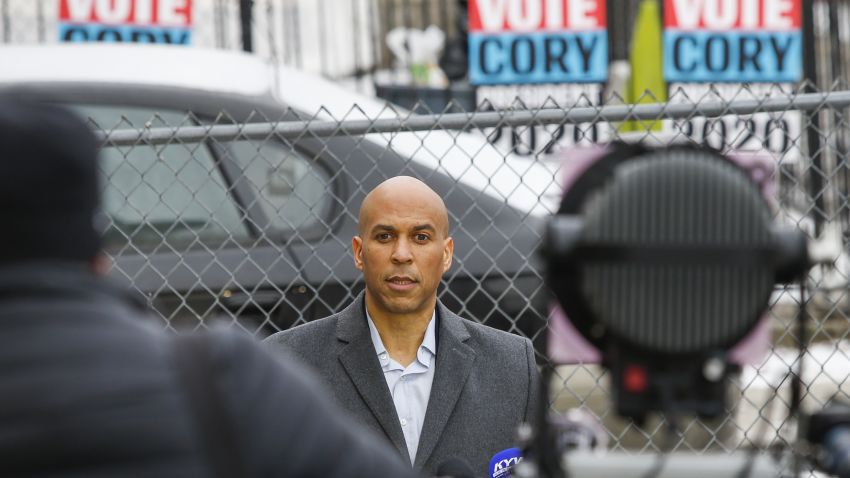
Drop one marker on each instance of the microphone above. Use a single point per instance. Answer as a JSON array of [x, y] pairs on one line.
[[454, 468], [503, 463]]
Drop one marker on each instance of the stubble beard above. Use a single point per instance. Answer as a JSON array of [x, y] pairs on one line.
[[400, 305]]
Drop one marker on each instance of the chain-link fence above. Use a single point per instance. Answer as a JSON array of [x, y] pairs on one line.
[[246, 218]]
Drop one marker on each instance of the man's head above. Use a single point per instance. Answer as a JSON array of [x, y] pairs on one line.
[[48, 185], [403, 247]]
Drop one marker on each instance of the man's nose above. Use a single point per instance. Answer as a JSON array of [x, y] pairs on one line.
[[402, 252]]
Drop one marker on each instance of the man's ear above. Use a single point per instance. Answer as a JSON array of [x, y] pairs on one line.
[[357, 249], [448, 253]]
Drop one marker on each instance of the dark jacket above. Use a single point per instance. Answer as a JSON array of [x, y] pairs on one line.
[[88, 387], [486, 383]]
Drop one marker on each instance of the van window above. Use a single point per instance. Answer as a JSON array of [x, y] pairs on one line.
[[292, 189], [162, 198]]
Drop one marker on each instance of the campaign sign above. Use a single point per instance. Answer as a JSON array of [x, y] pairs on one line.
[[543, 140], [139, 21], [537, 41], [753, 41]]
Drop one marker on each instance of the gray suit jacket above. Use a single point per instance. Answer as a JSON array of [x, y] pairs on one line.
[[485, 384]]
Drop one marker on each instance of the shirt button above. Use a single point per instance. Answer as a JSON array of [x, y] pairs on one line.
[[404, 422]]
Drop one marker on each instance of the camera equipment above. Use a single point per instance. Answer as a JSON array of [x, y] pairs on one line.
[[663, 259]]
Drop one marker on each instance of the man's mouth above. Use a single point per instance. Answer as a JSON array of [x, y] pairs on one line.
[[401, 280], [401, 283]]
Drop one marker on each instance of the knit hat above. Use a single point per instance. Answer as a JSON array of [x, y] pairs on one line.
[[49, 193]]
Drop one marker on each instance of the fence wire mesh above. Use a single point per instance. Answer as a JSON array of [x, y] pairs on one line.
[[247, 219]]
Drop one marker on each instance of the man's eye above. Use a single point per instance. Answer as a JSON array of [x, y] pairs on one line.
[[422, 237], [384, 236]]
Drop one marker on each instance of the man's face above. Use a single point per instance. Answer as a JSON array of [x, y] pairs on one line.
[[403, 251]]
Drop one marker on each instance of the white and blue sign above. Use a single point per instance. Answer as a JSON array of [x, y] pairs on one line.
[[539, 57], [537, 41], [124, 33], [136, 21], [740, 41]]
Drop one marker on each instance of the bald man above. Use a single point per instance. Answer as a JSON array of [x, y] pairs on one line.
[[435, 385]]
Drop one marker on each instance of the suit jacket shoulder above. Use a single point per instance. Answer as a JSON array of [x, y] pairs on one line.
[[304, 333], [502, 343], [309, 342]]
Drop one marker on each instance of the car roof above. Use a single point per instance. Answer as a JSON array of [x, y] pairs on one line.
[[521, 182], [154, 65]]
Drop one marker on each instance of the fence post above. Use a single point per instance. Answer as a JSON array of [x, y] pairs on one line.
[[816, 182], [246, 21]]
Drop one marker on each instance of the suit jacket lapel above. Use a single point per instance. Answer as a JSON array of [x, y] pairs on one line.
[[454, 363], [360, 362]]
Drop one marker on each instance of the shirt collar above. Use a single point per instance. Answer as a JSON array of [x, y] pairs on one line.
[[429, 343]]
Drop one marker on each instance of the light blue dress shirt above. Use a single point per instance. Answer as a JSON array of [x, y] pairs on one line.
[[410, 387]]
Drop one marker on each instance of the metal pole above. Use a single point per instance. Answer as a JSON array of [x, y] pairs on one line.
[[465, 121], [39, 15], [245, 21], [323, 36], [813, 143], [355, 41], [287, 44], [218, 17], [617, 39], [7, 21], [837, 116]]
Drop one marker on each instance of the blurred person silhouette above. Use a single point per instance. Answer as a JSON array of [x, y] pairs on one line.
[[88, 387], [437, 386]]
